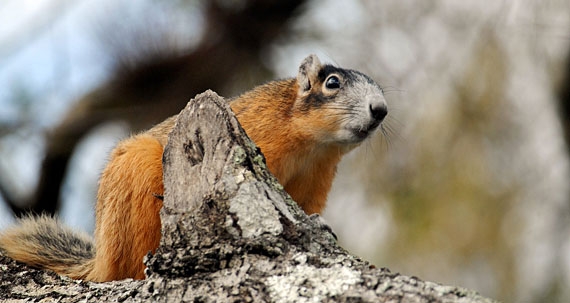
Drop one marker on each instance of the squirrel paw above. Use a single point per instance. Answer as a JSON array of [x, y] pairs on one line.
[[323, 225]]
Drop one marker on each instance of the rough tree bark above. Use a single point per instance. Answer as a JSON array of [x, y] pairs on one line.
[[231, 234]]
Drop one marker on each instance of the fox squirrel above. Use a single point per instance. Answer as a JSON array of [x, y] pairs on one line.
[[303, 126]]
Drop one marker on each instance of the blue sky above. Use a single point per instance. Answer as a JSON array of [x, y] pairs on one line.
[[51, 59]]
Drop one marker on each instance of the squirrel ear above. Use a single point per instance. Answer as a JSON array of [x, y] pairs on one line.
[[308, 73]]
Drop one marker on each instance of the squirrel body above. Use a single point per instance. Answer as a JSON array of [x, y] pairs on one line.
[[303, 126]]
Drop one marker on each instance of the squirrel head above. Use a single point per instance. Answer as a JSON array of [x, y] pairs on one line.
[[348, 104]]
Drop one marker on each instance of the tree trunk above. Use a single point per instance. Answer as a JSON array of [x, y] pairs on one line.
[[231, 234]]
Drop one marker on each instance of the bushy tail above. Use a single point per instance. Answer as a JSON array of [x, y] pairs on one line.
[[44, 242]]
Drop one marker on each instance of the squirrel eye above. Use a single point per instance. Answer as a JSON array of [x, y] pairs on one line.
[[332, 82]]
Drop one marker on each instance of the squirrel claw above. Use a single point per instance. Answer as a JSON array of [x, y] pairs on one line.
[[323, 224]]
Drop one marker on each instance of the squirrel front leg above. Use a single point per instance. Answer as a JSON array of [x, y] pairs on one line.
[[127, 212]]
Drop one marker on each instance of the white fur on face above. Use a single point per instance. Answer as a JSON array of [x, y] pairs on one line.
[[356, 100]]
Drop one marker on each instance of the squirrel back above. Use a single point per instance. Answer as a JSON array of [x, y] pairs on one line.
[[303, 126]]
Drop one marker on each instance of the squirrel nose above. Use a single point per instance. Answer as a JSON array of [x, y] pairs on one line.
[[379, 111]]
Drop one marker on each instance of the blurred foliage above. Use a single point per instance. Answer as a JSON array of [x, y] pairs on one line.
[[448, 187]]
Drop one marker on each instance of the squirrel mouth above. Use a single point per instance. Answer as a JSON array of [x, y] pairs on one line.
[[362, 134]]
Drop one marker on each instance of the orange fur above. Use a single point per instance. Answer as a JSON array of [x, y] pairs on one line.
[[128, 221]]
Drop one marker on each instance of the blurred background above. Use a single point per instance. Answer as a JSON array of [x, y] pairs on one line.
[[468, 187]]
